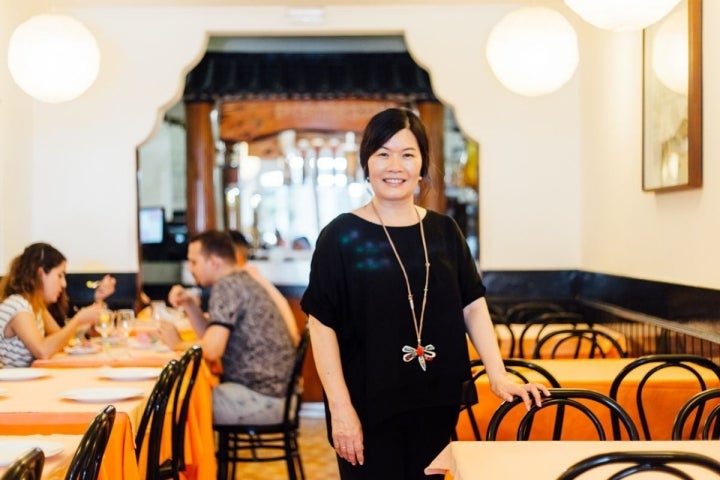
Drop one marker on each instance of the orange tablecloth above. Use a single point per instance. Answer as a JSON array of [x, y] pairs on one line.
[[667, 392], [36, 407], [547, 460], [56, 466], [566, 350], [199, 437]]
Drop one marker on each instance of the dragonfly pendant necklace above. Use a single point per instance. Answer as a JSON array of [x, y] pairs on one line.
[[425, 353]]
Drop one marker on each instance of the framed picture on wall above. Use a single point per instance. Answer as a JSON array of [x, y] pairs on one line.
[[672, 100]]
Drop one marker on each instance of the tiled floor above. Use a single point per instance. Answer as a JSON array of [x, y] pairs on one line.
[[317, 456]]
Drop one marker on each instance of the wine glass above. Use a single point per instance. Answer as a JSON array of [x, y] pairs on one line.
[[125, 322], [103, 325]]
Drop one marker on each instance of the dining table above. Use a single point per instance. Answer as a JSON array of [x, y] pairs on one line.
[[58, 449], [546, 460], [199, 438], [65, 401], [668, 390]]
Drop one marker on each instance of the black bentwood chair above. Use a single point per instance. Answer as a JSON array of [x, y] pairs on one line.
[[660, 462], [188, 367], [565, 399], [516, 367], [85, 465], [688, 363], [536, 325], [693, 409], [587, 343], [153, 418], [258, 443], [27, 466]]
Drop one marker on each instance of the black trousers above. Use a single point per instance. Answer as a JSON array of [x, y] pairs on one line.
[[401, 448]]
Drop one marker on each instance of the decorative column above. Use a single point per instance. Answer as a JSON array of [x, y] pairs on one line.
[[200, 164], [432, 190]]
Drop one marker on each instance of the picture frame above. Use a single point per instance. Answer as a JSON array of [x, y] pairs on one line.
[[672, 100]]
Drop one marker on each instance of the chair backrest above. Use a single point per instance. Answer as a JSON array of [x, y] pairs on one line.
[[687, 363], [27, 466], [585, 343], [188, 367], [536, 325], [293, 396], [153, 417], [694, 408], [85, 464], [516, 367], [521, 312], [580, 400], [667, 462]]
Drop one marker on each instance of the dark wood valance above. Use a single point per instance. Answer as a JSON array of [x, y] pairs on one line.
[[230, 76]]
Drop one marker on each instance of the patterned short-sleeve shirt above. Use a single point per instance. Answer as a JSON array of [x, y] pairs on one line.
[[260, 351]]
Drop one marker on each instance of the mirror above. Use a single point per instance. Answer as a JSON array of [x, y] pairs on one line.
[[672, 100], [262, 186]]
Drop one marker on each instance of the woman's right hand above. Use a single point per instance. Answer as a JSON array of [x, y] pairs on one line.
[[347, 435]]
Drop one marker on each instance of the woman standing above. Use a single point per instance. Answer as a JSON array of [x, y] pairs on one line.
[[35, 281], [393, 291]]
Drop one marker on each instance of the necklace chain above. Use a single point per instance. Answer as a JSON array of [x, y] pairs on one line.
[[418, 325]]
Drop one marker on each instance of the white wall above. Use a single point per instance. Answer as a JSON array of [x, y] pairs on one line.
[[548, 199], [660, 236], [16, 144]]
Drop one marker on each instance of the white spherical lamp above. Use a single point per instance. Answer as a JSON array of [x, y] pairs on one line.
[[670, 56], [533, 51], [621, 15], [53, 58]]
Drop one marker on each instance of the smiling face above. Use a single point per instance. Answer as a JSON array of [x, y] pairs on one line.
[[53, 283], [394, 169]]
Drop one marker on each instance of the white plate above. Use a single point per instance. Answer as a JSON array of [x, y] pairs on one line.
[[12, 374], [82, 349], [130, 373], [101, 394], [10, 450]]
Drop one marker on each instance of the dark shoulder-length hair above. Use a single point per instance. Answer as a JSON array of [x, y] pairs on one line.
[[387, 123], [22, 277], [214, 242]]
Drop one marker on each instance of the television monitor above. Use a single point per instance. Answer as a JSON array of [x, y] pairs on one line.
[[152, 225]]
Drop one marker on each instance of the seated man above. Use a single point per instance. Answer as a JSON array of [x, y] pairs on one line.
[[242, 247], [244, 332]]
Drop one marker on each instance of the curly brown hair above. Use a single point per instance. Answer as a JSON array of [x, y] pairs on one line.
[[22, 277]]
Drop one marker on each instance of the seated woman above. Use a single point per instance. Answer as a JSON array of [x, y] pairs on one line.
[[34, 282]]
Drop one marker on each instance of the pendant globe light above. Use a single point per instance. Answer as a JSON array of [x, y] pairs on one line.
[[53, 58], [670, 55], [620, 15], [533, 51]]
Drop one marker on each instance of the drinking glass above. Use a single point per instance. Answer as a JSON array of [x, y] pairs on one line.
[[125, 322], [103, 325]]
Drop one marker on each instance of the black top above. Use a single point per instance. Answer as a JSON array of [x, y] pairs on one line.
[[357, 288]]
